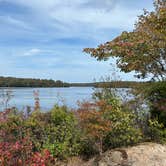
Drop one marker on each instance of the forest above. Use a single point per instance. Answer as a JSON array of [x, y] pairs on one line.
[[29, 82]]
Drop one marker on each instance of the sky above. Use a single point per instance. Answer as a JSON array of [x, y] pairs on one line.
[[45, 38]]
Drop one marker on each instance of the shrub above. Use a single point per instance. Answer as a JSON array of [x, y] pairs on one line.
[[124, 130], [15, 153], [63, 136], [36, 126], [21, 153], [12, 126], [94, 125], [42, 159], [157, 132], [156, 95]]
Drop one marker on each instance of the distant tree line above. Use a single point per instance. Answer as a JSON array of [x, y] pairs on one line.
[[112, 84], [30, 82]]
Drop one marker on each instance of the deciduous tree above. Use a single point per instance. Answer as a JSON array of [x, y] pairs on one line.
[[144, 49]]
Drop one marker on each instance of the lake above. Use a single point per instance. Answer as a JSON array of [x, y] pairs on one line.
[[22, 97]]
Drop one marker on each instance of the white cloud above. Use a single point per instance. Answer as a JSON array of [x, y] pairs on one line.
[[117, 18], [32, 52], [97, 13]]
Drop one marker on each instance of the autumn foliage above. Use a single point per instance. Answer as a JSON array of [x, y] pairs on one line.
[[16, 145], [93, 121], [143, 50]]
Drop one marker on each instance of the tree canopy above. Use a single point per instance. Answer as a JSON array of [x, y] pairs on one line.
[[142, 50], [30, 82]]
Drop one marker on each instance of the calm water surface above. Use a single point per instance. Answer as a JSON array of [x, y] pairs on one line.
[[23, 97]]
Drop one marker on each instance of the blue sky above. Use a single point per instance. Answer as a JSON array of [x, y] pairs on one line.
[[45, 38]]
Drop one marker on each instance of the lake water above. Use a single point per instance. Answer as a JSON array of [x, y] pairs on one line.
[[22, 97]]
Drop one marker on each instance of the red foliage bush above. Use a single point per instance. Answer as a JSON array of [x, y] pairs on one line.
[[93, 121], [15, 153], [42, 159], [21, 153], [16, 147]]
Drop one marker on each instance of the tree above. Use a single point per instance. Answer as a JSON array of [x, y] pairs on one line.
[[144, 49]]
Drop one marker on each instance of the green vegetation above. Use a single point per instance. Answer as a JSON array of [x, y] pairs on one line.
[[29, 82], [156, 95]]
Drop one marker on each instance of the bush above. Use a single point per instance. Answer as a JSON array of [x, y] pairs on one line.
[[17, 139], [63, 136], [42, 159], [21, 153], [12, 126], [94, 124], [156, 95], [124, 129], [55, 130], [157, 132], [15, 153], [36, 126]]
